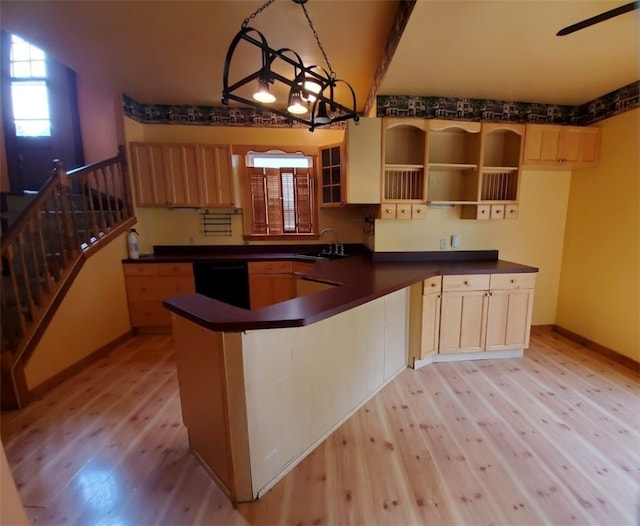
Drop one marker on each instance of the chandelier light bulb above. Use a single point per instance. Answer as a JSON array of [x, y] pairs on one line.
[[263, 94], [296, 105]]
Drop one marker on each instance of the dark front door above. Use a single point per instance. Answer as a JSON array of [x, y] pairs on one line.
[[31, 144]]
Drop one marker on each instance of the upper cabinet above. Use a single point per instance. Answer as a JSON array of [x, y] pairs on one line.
[[181, 175], [499, 172], [363, 142], [561, 147], [404, 158], [471, 164], [332, 175], [214, 167], [350, 172], [453, 161]]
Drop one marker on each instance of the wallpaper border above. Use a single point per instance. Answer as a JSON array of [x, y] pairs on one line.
[[485, 110]]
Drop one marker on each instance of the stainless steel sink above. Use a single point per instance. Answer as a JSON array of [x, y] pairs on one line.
[[322, 255]]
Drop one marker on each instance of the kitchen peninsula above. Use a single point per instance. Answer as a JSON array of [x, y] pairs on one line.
[[260, 389]]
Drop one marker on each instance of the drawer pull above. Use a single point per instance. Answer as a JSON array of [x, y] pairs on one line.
[[419, 211], [387, 210], [513, 281], [404, 210], [467, 282], [434, 284]]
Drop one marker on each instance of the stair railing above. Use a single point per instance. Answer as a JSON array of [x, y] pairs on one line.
[[45, 247]]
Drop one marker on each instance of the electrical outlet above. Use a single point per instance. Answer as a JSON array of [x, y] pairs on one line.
[[443, 244]]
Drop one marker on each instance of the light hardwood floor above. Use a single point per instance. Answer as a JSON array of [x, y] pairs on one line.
[[552, 438]]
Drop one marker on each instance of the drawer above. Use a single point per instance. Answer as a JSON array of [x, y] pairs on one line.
[[387, 211], [497, 211], [140, 269], [465, 282], [418, 211], [175, 269], [483, 212], [511, 211], [270, 267], [302, 266], [403, 211], [513, 281], [156, 289], [432, 285], [149, 314]]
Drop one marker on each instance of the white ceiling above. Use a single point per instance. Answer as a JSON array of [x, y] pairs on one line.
[[172, 52]]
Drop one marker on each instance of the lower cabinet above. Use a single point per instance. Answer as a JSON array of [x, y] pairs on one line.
[[509, 311], [430, 323], [270, 282], [148, 284], [471, 313]]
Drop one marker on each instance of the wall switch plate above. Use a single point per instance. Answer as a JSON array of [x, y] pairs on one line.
[[455, 241], [443, 244]]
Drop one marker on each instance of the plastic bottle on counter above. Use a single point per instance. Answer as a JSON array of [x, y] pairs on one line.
[[132, 244]]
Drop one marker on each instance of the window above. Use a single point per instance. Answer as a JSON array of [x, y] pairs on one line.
[[281, 191], [29, 92]]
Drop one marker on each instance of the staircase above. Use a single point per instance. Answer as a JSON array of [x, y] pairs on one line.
[[73, 215]]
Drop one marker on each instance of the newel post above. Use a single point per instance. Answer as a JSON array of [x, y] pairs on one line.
[[63, 184]]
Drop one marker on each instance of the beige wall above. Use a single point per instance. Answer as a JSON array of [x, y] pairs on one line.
[[93, 313], [599, 294], [100, 120], [535, 238], [161, 226]]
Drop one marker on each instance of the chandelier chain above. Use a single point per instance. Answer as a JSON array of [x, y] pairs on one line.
[[315, 34], [256, 13]]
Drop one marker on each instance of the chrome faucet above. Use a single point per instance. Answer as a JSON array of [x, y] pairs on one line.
[[337, 248]]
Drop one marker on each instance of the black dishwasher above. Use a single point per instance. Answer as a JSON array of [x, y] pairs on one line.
[[227, 282]]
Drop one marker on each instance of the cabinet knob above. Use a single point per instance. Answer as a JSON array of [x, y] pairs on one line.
[[434, 285], [512, 211], [483, 211], [466, 282], [419, 211], [404, 210], [387, 210], [513, 281]]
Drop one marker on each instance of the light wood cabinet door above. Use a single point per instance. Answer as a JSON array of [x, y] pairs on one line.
[[149, 174], [508, 319], [579, 146], [182, 174], [364, 160], [463, 319], [564, 147], [430, 324], [541, 144], [215, 173], [148, 284], [332, 175]]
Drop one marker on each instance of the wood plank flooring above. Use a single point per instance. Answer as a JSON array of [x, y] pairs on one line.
[[551, 438]]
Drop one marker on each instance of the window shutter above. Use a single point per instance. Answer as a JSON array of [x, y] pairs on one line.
[[304, 200], [274, 200], [258, 201]]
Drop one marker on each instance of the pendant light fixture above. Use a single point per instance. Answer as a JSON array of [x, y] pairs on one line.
[[311, 89]]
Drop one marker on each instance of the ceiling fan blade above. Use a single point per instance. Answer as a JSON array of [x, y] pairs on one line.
[[598, 18]]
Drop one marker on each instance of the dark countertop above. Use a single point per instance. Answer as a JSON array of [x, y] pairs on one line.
[[363, 277]]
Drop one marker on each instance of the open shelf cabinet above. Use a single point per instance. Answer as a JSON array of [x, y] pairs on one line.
[[403, 162]]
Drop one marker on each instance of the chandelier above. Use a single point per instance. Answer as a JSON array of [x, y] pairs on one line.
[[310, 89]]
